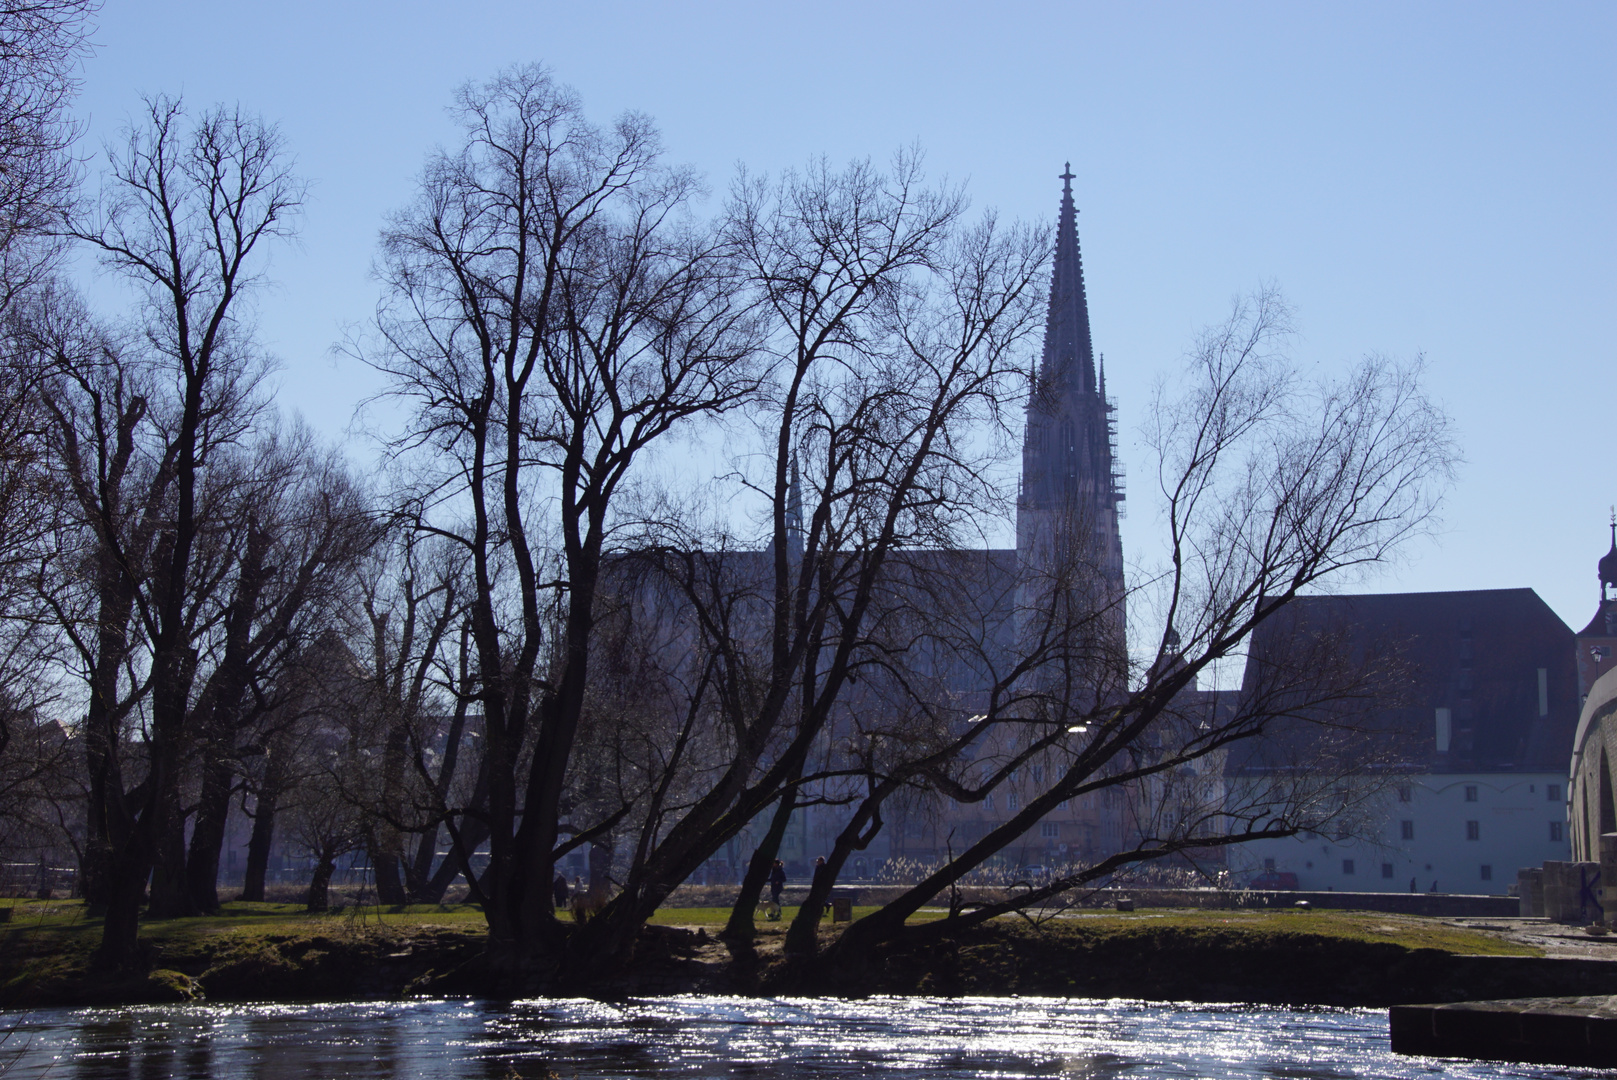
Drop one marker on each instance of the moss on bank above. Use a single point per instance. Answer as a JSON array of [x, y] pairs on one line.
[[278, 952]]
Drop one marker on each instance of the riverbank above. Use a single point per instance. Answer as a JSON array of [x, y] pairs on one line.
[[267, 952]]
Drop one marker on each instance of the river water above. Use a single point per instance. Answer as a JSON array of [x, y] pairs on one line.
[[921, 1038]]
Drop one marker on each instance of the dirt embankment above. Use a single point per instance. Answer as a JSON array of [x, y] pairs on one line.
[[1146, 960], [340, 964], [1170, 963]]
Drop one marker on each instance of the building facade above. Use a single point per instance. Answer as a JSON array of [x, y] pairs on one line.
[[1487, 714]]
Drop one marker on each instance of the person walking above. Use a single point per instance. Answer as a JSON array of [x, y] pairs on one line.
[[777, 885], [559, 892]]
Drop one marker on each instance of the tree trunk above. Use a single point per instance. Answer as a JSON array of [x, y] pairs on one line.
[[170, 898], [741, 925], [385, 865], [803, 939], [263, 834], [320, 884], [95, 870], [803, 936], [418, 874], [120, 933], [387, 843], [208, 833], [472, 834], [426, 885]]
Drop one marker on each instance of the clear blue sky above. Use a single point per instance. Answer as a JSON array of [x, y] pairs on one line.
[[1418, 178]]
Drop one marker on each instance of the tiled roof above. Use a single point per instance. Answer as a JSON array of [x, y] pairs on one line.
[[1476, 653]]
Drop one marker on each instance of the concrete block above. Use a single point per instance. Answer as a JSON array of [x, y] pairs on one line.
[[1555, 891], [1530, 892]]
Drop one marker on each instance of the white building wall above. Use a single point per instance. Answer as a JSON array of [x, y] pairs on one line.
[[1519, 819]]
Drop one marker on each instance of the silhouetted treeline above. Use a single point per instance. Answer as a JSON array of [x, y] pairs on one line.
[[681, 534]]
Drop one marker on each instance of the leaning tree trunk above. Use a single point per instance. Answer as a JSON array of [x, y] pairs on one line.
[[418, 874], [741, 925], [472, 834]]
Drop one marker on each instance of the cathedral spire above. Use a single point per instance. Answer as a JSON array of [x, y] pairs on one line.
[[794, 515], [1069, 357]]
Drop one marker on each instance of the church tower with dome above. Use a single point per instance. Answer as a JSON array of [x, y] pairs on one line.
[[1597, 642]]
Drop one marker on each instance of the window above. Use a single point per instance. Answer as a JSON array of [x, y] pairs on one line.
[[1064, 804], [1049, 830], [1555, 832], [1012, 802], [1405, 793], [988, 802], [1038, 774], [1347, 866], [1268, 864], [1552, 792], [1406, 830], [1473, 830], [1471, 793], [1487, 872], [1386, 869]]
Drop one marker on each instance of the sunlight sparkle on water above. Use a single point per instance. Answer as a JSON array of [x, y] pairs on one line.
[[699, 1037]]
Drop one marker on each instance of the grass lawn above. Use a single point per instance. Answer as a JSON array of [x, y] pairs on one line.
[[1410, 931]]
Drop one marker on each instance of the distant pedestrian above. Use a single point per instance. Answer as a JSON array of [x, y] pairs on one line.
[[1411, 884], [559, 892], [777, 881]]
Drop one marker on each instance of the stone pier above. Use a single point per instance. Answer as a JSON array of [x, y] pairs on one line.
[[1545, 1031], [1565, 892]]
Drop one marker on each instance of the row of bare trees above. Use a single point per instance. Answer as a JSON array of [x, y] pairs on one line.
[[684, 530], [665, 658]]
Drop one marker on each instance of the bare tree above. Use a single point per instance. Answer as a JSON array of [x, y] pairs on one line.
[[305, 525], [325, 823], [1271, 486], [651, 684], [551, 317], [408, 634], [142, 429], [41, 44], [895, 327]]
